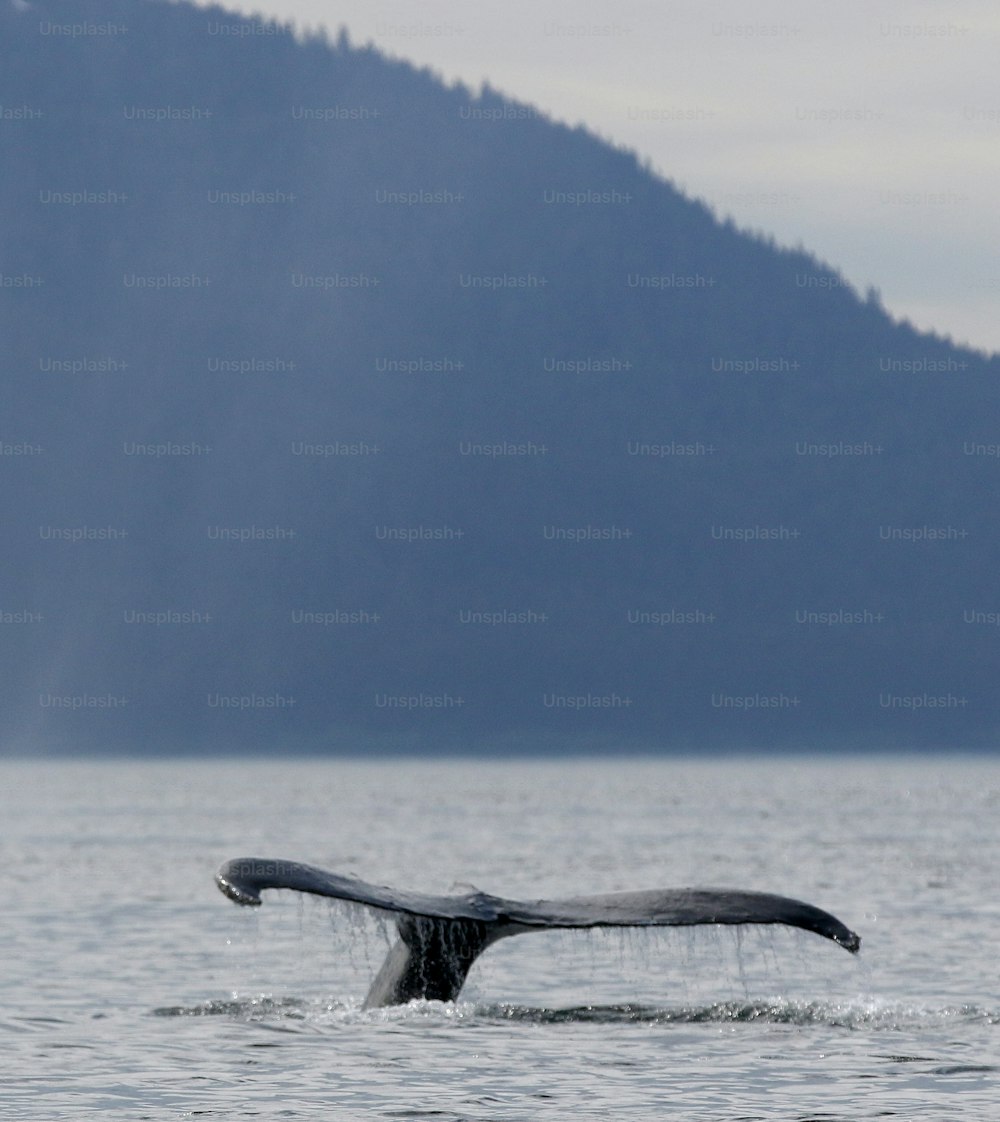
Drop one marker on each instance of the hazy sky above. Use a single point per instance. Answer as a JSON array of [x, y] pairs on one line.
[[867, 131]]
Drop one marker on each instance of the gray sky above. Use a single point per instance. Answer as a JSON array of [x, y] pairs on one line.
[[869, 132]]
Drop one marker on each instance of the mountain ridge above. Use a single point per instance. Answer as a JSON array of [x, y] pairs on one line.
[[325, 326]]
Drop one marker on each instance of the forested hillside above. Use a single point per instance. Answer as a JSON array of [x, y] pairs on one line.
[[346, 410]]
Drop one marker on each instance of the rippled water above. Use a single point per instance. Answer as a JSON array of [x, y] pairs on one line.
[[131, 988]]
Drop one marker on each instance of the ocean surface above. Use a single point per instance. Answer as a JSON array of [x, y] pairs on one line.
[[130, 988]]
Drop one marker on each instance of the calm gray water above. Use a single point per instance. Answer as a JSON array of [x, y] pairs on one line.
[[131, 988]]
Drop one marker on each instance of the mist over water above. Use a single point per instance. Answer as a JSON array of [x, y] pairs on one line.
[[132, 987]]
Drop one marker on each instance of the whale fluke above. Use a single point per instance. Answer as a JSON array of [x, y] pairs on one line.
[[441, 936]]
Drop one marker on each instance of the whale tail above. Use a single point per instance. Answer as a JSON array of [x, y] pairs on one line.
[[441, 936]]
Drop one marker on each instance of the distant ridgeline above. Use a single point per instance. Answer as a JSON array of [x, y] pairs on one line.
[[347, 410]]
